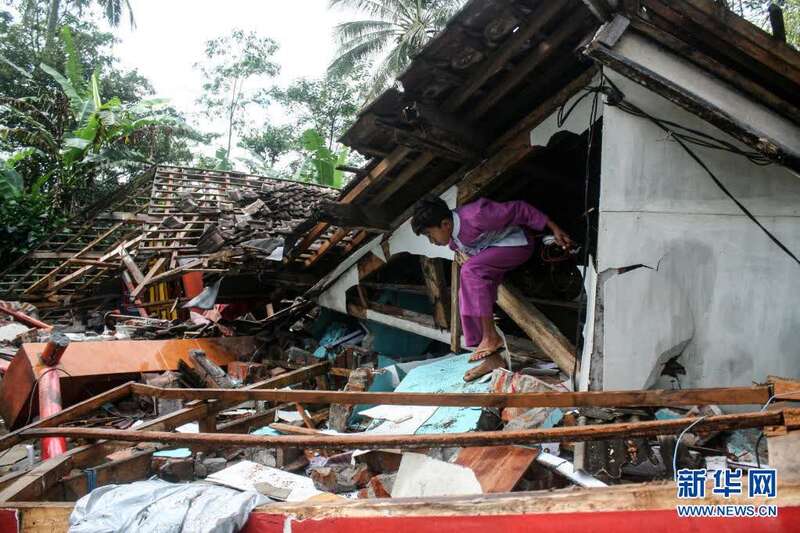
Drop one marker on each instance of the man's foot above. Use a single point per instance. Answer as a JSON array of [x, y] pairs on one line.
[[486, 348], [491, 362]]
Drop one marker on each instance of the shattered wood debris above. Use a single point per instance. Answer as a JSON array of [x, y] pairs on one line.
[[310, 391], [308, 408]]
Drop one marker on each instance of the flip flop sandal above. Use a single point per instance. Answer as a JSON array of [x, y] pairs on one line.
[[480, 355], [480, 370]]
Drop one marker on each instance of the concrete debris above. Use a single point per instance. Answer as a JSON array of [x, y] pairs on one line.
[[420, 476], [339, 478], [340, 414], [177, 470], [246, 474]]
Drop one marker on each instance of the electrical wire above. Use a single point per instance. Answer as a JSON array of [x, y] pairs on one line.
[[791, 396], [677, 445], [561, 119], [677, 132], [758, 444], [35, 386]]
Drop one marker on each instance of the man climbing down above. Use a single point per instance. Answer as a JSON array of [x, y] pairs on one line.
[[495, 237]]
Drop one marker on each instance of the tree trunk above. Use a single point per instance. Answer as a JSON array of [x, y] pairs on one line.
[[234, 100], [52, 22]]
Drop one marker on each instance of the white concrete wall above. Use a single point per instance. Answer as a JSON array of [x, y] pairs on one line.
[[717, 289]]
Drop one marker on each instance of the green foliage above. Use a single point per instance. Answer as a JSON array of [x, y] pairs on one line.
[[328, 104], [63, 142], [320, 162], [220, 161], [266, 146], [320, 110], [388, 35], [757, 12], [233, 61], [25, 215]]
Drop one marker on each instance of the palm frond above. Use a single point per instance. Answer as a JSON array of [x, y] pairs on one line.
[[398, 30], [359, 53], [348, 31], [385, 9], [387, 70]]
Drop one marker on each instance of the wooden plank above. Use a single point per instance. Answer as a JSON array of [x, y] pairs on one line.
[[538, 327], [76, 255], [784, 388], [498, 468], [295, 430], [70, 413], [433, 274], [63, 255], [30, 486], [131, 266], [45, 475], [748, 60], [396, 183], [722, 71], [160, 262], [455, 315], [377, 172], [327, 245], [211, 372], [756, 395], [93, 262], [544, 13], [84, 270], [743, 35], [773, 149], [135, 467], [527, 511], [572, 23], [436, 440]]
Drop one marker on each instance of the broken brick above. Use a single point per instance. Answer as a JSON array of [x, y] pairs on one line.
[[379, 486]]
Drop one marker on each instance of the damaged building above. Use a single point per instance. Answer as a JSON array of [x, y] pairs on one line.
[[298, 347]]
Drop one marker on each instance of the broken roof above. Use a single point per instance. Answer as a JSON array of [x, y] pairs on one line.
[[471, 97], [164, 216]]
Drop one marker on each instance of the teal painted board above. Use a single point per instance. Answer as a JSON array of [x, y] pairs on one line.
[[445, 375]]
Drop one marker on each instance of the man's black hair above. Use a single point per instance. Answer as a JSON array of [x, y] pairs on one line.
[[428, 212]]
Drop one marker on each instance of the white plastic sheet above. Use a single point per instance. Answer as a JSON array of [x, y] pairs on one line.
[[157, 506]]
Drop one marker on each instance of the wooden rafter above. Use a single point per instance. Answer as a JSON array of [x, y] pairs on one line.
[[439, 440]]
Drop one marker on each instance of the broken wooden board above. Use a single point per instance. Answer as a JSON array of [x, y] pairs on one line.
[[498, 468]]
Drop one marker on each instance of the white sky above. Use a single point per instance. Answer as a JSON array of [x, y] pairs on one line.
[[170, 37]]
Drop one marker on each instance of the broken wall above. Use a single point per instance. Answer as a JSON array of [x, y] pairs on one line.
[[713, 287]]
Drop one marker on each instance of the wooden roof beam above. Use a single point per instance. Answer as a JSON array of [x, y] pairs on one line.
[[574, 21], [437, 440], [695, 104], [545, 13], [376, 174]]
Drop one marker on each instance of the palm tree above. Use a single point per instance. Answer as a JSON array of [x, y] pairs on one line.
[[112, 9], [394, 31]]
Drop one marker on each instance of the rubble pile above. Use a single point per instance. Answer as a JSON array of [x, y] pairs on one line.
[[310, 337], [257, 220]]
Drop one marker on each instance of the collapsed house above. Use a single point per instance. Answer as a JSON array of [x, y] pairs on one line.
[[304, 344]]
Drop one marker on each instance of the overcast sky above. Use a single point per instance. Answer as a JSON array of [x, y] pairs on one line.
[[170, 35]]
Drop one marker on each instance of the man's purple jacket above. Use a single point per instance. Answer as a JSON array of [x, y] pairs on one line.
[[485, 223]]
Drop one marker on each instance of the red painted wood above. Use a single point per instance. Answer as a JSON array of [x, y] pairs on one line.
[[660, 521], [9, 521]]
